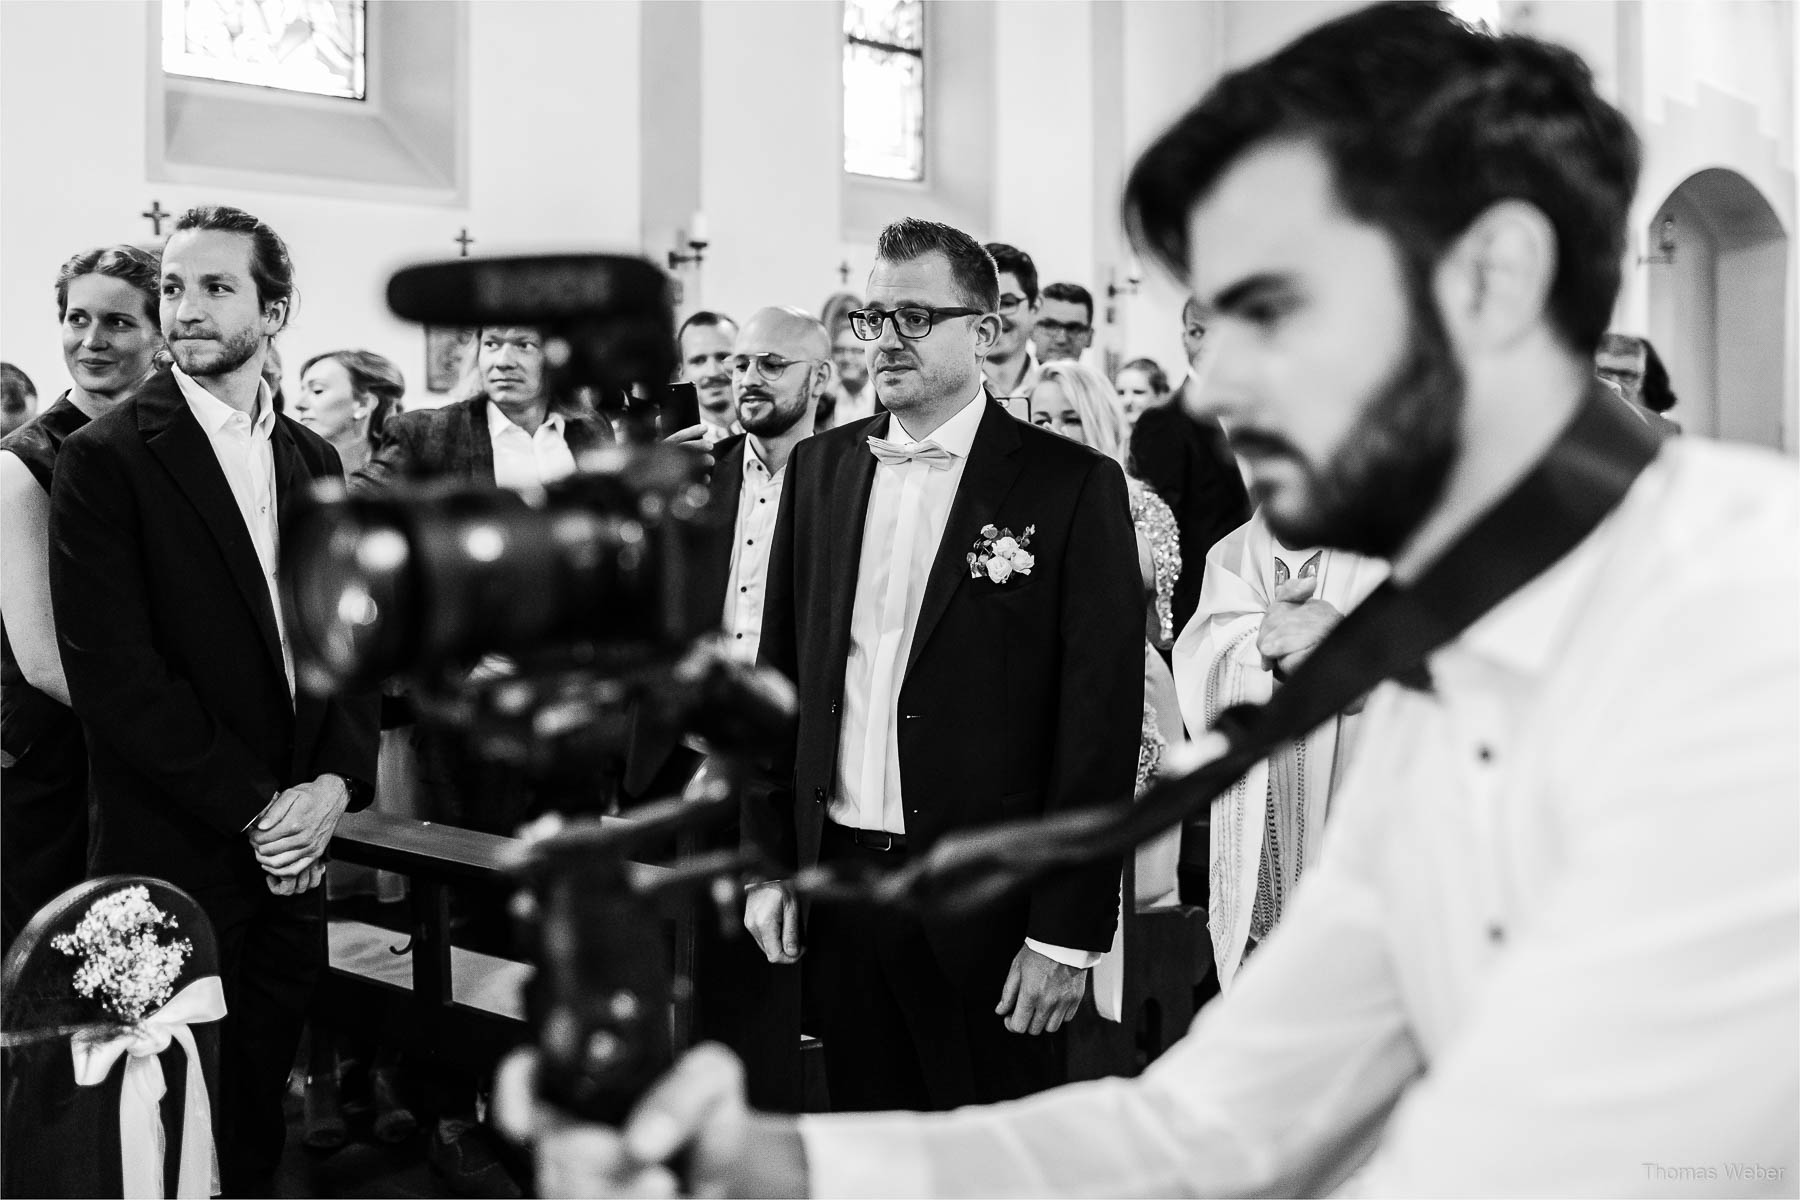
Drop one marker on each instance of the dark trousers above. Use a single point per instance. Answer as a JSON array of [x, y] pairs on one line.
[[899, 1031], [271, 954]]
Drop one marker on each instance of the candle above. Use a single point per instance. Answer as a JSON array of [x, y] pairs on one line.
[[697, 227]]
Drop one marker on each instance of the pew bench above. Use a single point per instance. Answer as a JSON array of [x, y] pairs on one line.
[[457, 1005]]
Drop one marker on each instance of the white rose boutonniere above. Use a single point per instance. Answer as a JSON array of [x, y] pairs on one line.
[[999, 555]]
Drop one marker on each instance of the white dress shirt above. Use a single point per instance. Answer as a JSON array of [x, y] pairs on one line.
[[248, 460], [909, 505], [758, 503], [528, 460], [1552, 945]]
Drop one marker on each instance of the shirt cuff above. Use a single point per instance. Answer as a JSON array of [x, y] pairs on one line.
[[874, 1154], [1081, 960]]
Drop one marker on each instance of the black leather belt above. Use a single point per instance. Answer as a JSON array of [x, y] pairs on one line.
[[868, 839]]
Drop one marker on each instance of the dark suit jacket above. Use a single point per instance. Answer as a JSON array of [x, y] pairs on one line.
[[171, 649], [1019, 699], [1186, 460], [453, 442], [653, 741]]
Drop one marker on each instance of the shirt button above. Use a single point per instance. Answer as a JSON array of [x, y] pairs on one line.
[[1496, 933], [1484, 753], [740, 637], [749, 541], [743, 589]]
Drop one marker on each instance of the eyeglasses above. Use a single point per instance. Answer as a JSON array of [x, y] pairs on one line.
[[1069, 328], [911, 322], [769, 366], [1009, 302]]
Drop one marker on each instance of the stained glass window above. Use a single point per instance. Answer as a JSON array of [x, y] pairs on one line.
[[312, 46], [884, 88]]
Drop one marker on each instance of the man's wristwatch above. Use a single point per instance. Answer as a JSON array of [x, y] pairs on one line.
[[360, 791]]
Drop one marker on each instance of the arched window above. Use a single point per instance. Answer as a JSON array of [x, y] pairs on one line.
[[884, 88]]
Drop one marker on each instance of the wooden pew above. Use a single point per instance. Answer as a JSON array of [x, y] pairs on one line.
[[452, 1003]]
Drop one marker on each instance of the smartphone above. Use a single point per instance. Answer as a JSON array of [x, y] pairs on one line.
[[1018, 406], [679, 409]]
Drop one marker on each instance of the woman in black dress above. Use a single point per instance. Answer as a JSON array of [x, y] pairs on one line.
[[106, 304]]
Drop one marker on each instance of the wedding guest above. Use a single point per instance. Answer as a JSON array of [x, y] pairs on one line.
[[1010, 367], [1064, 327], [956, 596], [106, 304], [346, 397], [206, 767], [504, 426], [1182, 453], [704, 343], [18, 398], [1077, 402], [1140, 384], [851, 397]]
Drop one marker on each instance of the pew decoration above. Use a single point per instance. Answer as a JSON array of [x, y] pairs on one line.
[[143, 981]]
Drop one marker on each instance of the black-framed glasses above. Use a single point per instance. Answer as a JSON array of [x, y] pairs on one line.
[[1009, 303], [770, 366], [913, 321], [1070, 328]]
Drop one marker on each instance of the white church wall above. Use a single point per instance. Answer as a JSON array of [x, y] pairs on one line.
[[552, 164]]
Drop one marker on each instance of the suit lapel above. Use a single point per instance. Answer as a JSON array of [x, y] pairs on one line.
[[172, 433], [843, 510], [481, 442], [993, 466], [292, 480], [714, 574]]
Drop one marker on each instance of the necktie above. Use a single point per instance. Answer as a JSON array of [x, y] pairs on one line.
[[892, 455]]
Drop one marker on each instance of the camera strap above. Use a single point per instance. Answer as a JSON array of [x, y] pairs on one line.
[[1580, 479]]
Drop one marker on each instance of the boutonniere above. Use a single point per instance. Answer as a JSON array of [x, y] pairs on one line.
[[998, 554]]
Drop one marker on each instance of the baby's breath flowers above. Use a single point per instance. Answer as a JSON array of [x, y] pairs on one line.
[[123, 964]]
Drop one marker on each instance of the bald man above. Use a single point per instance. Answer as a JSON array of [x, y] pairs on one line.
[[780, 363]]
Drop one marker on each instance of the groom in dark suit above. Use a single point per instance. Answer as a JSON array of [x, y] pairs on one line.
[[956, 596], [207, 768]]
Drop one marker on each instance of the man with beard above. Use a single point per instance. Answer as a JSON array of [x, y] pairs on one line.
[[207, 768], [779, 366], [704, 343], [1549, 946]]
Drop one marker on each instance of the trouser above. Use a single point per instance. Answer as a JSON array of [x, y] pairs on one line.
[[271, 955], [900, 1031]]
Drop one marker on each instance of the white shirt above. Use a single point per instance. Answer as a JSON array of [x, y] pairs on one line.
[[909, 505], [1552, 945], [528, 460], [758, 503], [247, 458]]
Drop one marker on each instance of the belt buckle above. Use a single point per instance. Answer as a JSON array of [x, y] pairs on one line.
[[874, 839]]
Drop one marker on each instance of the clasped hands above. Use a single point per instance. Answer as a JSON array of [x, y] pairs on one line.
[[291, 834]]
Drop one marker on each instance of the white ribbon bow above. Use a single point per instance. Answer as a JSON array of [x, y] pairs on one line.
[[142, 1141]]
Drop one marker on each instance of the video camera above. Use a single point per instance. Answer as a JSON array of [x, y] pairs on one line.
[[538, 623]]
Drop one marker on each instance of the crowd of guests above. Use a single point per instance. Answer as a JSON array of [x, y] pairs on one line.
[[1004, 584]]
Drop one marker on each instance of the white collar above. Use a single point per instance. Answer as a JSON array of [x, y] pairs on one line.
[[213, 413], [499, 422], [956, 435]]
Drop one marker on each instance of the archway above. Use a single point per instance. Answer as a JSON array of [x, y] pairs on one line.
[[1718, 306]]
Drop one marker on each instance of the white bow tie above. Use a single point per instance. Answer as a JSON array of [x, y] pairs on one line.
[[891, 455]]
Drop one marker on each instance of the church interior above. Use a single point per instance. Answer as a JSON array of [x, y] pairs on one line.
[[754, 149]]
